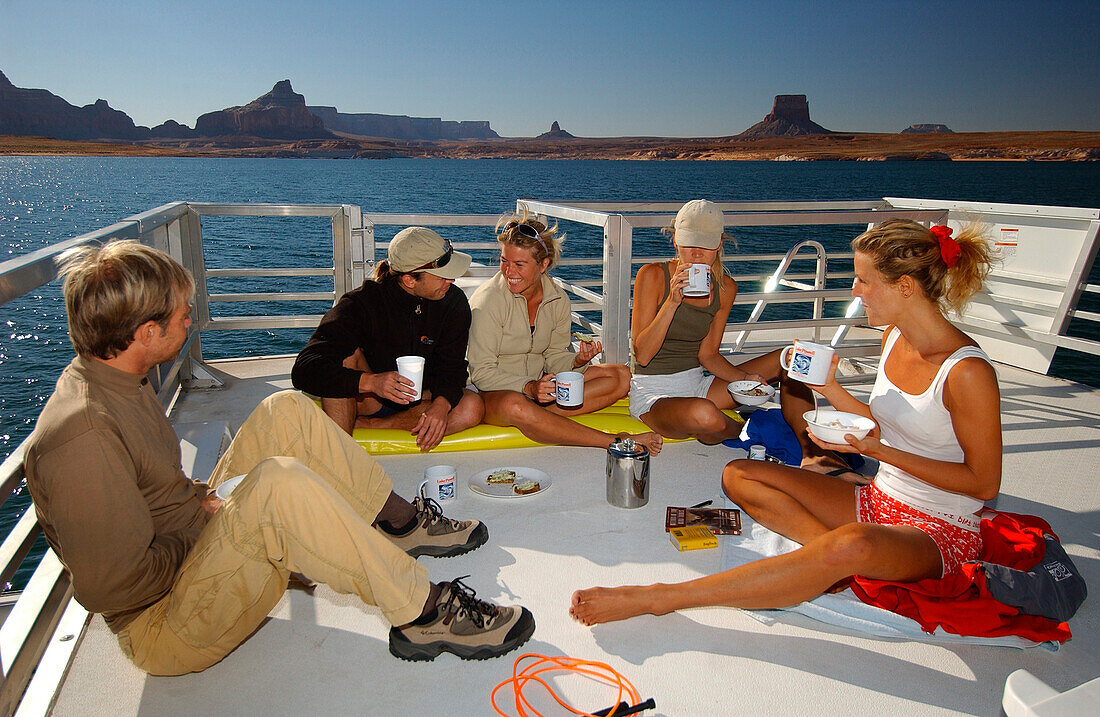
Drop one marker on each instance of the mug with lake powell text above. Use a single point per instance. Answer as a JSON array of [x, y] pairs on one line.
[[808, 362]]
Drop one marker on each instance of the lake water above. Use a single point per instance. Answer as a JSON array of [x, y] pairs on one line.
[[44, 200]]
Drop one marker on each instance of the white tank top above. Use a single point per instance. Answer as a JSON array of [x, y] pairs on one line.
[[920, 424]]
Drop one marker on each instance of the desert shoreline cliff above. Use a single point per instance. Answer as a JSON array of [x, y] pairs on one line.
[[279, 123], [973, 146]]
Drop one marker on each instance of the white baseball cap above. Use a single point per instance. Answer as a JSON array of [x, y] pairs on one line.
[[699, 223]]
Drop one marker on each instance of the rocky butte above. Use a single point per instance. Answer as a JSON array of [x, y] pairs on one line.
[[41, 112], [280, 114], [556, 132], [790, 117]]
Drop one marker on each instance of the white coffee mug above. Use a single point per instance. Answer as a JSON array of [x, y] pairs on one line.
[[698, 280], [439, 484], [808, 362], [412, 368], [569, 389]]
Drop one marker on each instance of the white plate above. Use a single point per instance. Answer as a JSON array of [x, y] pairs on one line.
[[479, 485], [226, 487]]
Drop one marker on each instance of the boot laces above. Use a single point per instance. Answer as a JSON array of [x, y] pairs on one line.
[[479, 611], [429, 508]]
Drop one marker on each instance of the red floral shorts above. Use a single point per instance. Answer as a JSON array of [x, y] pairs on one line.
[[957, 544]]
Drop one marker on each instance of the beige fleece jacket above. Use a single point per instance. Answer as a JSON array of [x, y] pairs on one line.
[[504, 353]]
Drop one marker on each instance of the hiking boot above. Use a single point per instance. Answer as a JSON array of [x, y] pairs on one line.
[[463, 625], [436, 535]]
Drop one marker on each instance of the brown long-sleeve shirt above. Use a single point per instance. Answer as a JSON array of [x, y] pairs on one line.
[[103, 468]]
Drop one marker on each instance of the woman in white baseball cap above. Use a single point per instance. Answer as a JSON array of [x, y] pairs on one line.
[[680, 375]]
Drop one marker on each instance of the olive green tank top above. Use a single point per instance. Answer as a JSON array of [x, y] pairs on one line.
[[690, 324]]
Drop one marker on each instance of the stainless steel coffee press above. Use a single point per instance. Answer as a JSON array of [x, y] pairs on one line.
[[627, 474]]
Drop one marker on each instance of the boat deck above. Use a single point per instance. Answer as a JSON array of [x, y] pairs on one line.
[[326, 653]]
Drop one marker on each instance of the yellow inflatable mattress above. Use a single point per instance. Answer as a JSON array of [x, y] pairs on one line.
[[386, 441]]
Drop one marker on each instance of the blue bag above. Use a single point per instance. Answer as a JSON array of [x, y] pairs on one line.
[[767, 427]]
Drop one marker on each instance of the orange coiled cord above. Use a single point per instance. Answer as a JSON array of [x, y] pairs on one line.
[[530, 673]]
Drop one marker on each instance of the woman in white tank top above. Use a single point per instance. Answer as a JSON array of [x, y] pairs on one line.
[[938, 443]]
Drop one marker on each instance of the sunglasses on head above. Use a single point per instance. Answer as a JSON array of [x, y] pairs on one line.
[[442, 261], [528, 231]]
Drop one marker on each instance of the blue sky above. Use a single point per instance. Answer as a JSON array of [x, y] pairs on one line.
[[599, 68]]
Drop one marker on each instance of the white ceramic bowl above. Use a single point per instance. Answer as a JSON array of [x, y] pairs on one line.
[[738, 390], [831, 425], [225, 488]]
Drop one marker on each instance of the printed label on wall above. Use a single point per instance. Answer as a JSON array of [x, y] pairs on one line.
[[1004, 246]]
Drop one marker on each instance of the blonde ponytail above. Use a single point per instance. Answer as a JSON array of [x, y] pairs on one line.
[[948, 269]]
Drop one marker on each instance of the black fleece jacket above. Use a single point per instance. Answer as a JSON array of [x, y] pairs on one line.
[[385, 321]]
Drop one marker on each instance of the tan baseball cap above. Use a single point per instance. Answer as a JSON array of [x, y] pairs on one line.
[[419, 249], [699, 223]]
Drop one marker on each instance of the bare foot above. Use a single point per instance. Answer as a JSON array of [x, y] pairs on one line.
[[832, 464], [652, 441], [595, 605]]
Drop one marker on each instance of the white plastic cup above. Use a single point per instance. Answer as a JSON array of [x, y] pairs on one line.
[[807, 362], [698, 280], [439, 484], [757, 452], [569, 389], [412, 368]]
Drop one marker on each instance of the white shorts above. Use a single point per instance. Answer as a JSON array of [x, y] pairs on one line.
[[647, 390]]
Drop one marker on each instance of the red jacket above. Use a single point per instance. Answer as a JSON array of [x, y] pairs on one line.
[[960, 602]]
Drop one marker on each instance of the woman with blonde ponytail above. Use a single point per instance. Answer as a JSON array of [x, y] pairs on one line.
[[936, 405]]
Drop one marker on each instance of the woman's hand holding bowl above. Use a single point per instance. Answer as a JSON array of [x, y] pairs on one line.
[[863, 446]]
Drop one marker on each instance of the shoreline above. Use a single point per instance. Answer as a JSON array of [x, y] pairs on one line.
[[972, 146]]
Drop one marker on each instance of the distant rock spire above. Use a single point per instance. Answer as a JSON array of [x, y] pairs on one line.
[[556, 132], [790, 117]]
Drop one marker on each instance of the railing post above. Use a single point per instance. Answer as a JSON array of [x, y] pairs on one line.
[[617, 254], [341, 251], [369, 248], [819, 283], [356, 253], [193, 260], [192, 372]]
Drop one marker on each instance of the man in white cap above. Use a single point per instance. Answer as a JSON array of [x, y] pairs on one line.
[[410, 308]]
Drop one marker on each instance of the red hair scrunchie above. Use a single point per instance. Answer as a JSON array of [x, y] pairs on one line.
[[949, 248]]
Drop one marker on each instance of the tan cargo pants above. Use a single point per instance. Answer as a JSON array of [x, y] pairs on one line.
[[305, 506]]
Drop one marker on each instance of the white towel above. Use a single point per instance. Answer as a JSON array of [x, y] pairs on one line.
[[843, 609]]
